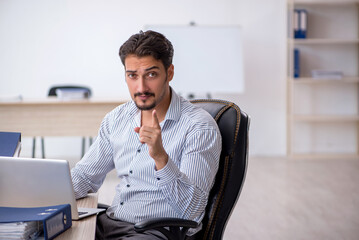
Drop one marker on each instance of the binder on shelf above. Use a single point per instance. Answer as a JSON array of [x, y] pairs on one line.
[[23, 223], [303, 23], [296, 65], [300, 22], [296, 23], [10, 144]]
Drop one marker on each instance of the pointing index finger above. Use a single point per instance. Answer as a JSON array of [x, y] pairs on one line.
[[155, 122]]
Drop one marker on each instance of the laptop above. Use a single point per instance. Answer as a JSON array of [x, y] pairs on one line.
[[32, 182]]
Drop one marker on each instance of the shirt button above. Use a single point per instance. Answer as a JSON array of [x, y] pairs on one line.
[[121, 203], [131, 171], [138, 150], [158, 178], [128, 185]]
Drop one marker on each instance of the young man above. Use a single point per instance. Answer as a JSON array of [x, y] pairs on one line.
[[165, 150]]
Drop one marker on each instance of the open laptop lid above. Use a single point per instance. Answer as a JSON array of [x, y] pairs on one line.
[[31, 182]]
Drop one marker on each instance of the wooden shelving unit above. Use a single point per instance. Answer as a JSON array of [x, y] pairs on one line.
[[323, 114], [309, 80], [324, 41]]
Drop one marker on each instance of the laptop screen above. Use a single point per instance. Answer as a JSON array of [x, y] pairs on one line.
[[31, 182]]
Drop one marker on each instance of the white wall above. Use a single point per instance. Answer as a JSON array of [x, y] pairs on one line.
[[50, 42]]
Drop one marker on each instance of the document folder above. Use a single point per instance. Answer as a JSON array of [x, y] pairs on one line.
[[10, 144], [296, 63], [300, 23], [53, 220]]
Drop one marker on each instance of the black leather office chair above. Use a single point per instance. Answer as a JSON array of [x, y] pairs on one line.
[[53, 93], [234, 125]]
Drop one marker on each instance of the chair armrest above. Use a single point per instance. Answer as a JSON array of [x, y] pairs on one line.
[[102, 205], [177, 227], [164, 222]]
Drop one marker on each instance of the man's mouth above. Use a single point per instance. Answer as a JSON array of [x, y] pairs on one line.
[[144, 96]]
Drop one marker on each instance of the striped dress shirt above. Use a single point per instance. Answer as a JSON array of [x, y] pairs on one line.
[[192, 141]]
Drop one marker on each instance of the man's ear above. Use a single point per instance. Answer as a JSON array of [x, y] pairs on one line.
[[170, 72]]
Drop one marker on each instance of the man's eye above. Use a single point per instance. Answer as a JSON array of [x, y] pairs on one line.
[[131, 75], [152, 74]]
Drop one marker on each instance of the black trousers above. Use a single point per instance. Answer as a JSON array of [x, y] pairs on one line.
[[111, 229]]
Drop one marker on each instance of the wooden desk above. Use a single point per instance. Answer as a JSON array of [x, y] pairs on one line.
[[53, 117], [85, 228]]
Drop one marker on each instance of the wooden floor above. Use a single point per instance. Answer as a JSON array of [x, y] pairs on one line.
[[298, 200]]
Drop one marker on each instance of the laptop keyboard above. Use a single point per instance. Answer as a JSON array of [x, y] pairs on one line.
[[82, 213]]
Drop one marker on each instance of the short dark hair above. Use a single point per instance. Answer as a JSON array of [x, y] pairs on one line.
[[149, 43]]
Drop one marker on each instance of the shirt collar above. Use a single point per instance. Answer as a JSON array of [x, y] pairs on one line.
[[173, 112]]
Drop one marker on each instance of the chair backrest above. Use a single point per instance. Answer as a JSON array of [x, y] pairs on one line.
[[52, 91], [233, 125]]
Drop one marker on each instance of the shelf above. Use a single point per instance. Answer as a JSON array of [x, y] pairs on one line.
[[327, 2], [326, 118], [324, 81], [308, 41]]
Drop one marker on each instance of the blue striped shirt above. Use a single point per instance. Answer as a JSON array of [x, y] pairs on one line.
[[192, 141]]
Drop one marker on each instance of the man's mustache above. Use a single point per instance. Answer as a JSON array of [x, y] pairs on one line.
[[144, 93]]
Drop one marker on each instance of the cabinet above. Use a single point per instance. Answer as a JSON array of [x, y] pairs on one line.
[[322, 114]]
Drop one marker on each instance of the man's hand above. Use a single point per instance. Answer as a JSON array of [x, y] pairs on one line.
[[151, 135]]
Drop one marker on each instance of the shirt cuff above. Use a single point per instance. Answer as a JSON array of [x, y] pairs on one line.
[[167, 174]]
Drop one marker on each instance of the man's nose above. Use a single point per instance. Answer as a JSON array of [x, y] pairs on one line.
[[142, 87]]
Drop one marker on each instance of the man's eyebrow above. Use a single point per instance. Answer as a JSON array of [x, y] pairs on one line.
[[154, 67], [147, 69]]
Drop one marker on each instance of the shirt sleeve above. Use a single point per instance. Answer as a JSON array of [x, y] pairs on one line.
[[187, 187], [89, 174]]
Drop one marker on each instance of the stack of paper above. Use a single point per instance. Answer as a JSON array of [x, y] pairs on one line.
[[327, 74], [20, 230]]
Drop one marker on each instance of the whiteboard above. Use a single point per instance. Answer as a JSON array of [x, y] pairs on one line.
[[207, 59]]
